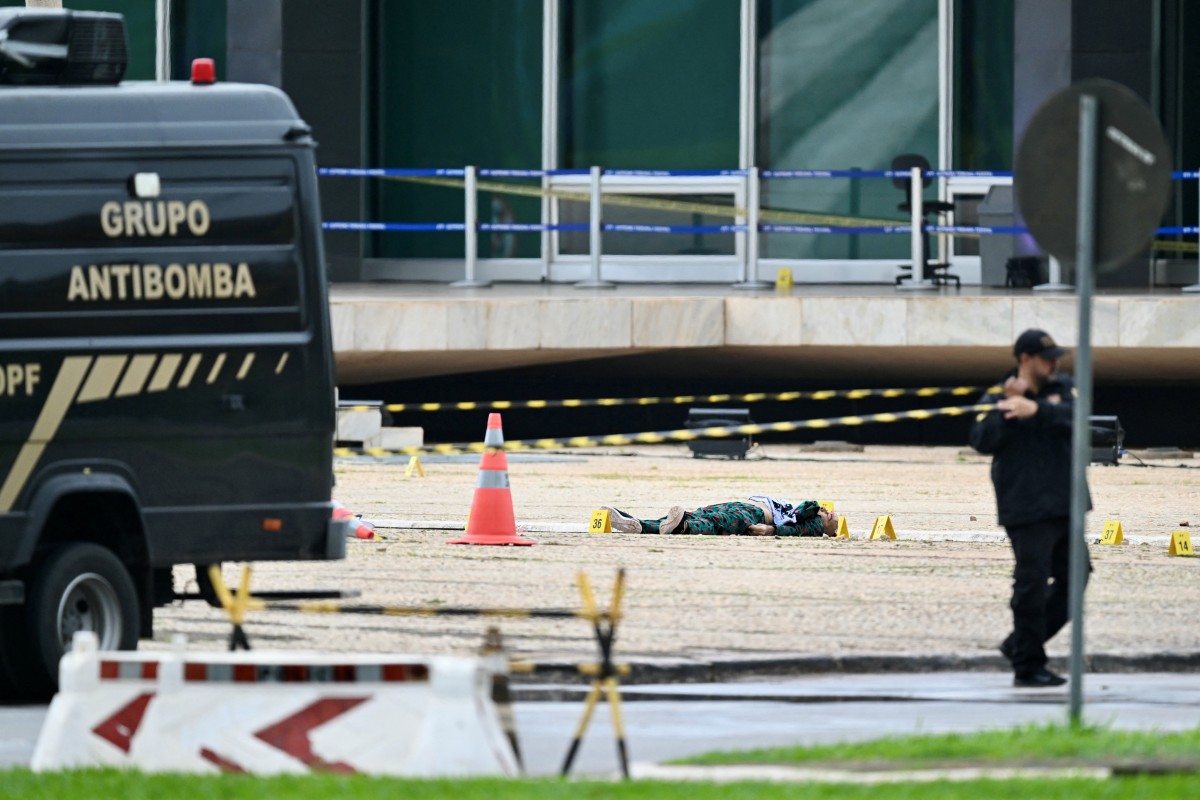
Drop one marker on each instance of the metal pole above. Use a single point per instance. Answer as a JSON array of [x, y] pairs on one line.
[[549, 213], [750, 279], [1081, 432], [471, 231], [1054, 279], [594, 235], [162, 40], [917, 203], [1195, 287]]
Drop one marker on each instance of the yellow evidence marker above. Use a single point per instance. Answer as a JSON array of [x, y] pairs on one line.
[[783, 280], [600, 522], [883, 528], [826, 504], [1181, 544], [843, 530], [414, 465], [1112, 532]]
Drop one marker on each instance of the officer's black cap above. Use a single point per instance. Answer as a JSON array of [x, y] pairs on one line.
[[1037, 343]]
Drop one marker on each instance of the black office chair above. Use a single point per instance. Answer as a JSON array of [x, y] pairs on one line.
[[938, 272]]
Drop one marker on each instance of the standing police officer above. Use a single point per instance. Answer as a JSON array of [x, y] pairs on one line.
[[1029, 438]]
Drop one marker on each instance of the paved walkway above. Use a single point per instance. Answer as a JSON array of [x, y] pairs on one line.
[[671, 721]]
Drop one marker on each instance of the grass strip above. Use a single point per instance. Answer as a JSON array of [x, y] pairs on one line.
[[128, 785], [1045, 744]]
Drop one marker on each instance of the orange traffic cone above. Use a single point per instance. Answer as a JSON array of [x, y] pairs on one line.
[[362, 528], [491, 520]]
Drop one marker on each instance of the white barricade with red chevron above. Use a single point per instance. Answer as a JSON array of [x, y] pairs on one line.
[[270, 712]]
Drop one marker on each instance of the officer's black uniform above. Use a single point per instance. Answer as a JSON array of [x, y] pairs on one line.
[[1031, 472]]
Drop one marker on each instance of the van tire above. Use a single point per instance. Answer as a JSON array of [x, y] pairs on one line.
[[75, 586]]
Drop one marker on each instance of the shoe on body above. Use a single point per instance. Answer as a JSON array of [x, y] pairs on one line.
[[674, 523], [622, 522], [1038, 679]]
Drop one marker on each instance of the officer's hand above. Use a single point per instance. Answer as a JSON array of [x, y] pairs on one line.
[[1015, 386], [761, 529], [1018, 407]]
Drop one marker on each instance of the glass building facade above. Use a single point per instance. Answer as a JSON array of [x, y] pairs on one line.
[[681, 85]]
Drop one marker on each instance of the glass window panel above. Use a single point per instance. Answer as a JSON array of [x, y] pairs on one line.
[[983, 84], [197, 31], [641, 244], [1179, 70], [457, 82], [649, 85], [843, 86]]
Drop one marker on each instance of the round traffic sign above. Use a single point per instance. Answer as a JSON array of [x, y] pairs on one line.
[[1133, 173]]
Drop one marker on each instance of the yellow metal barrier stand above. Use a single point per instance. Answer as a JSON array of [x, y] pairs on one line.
[[604, 675]]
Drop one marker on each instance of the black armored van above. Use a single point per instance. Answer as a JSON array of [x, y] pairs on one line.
[[166, 378]]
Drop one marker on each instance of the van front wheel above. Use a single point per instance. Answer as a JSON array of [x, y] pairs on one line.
[[75, 587]]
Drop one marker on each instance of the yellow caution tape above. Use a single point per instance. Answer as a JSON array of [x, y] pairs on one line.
[[718, 209], [1176, 247], [659, 437], [683, 399], [637, 201]]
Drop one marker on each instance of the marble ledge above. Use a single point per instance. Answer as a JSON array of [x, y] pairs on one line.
[[616, 323]]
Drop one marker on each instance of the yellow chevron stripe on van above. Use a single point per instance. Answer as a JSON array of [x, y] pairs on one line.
[[102, 378], [245, 368], [66, 384], [165, 372], [135, 377], [216, 368], [189, 371]]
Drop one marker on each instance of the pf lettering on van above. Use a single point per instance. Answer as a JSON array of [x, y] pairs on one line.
[[19, 378], [154, 218], [204, 281]]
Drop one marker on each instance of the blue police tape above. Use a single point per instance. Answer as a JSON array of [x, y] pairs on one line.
[[394, 226], [529, 173], [826, 173], [1009, 230], [833, 229], [674, 228], [519, 227], [531, 227], [458, 172], [375, 172], [675, 173]]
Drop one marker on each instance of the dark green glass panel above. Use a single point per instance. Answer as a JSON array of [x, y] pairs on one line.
[[983, 84], [456, 82], [649, 85], [197, 31]]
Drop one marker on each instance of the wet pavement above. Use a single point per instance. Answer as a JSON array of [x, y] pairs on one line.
[[676, 720]]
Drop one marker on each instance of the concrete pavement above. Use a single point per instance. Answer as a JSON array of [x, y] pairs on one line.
[[668, 721]]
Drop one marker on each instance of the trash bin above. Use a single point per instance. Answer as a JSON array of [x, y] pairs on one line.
[[996, 211]]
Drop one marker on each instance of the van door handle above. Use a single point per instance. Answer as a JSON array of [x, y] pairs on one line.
[[233, 402]]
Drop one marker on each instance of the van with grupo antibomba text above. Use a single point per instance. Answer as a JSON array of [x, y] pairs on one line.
[[166, 367]]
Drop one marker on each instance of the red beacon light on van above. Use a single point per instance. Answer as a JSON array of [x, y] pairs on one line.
[[204, 71]]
